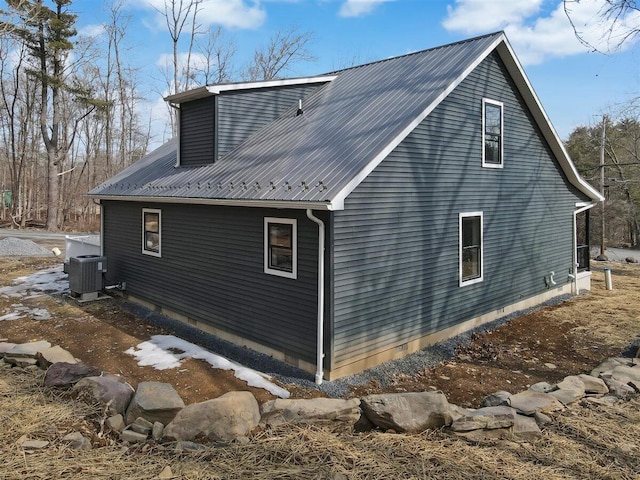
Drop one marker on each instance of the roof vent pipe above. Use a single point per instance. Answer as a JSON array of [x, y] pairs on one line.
[[299, 112]]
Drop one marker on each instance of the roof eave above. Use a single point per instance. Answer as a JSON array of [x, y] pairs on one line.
[[202, 92], [280, 204]]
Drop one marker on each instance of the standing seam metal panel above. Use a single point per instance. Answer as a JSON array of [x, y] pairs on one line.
[[211, 270], [396, 242]]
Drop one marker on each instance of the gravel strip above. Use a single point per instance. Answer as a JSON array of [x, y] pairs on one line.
[[12, 246], [383, 374]]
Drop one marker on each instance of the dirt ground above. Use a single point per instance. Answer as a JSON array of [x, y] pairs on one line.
[[545, 345]]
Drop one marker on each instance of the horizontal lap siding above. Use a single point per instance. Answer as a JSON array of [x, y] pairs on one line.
[[396, 242], [197, 132], [211, 270], [243, 112]]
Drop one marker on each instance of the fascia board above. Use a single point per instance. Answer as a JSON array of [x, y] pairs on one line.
[[220, 202]]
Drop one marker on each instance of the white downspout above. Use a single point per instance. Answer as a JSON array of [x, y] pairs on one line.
[[574, 280], [320, 333]]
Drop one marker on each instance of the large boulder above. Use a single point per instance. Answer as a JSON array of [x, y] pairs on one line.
[[155, 402], [315, 410], [230, 416], [408, 412], [64, 375], [107, 391]]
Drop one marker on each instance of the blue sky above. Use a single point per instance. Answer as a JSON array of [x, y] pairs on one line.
[[574, 84]]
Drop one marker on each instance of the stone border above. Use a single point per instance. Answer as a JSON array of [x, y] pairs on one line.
[[156, 412]]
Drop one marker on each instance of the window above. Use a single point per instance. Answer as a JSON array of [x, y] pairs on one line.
[[151, 232], [470, 248], [492, 120], [280, 247]]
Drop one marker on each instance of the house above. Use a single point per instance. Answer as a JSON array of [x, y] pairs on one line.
[[342, 220]]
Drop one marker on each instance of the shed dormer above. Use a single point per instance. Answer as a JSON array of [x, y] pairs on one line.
[[215, 119]]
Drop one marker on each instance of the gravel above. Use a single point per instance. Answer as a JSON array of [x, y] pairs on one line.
[[383, 374], [23, 248]]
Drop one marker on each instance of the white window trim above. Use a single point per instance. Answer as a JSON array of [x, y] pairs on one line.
[[501, 105], [464, 283], [144, 250], [294, 247]]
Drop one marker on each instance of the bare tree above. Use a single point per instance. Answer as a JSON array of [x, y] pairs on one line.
[[284, 50], [218, 52], [615, 16]]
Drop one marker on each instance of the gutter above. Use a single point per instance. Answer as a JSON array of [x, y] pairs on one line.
[[320, 333]]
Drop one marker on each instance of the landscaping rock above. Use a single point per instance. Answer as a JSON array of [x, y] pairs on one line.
[[631, 260], [605, 368], [542, 387], [315, 410], [593, 385], [569, 390], [52, 355], [34, 444], [115, 423], [529, 402], [156, 431], [132, 437], [496, 399], [29, 349], [487, 418], [65, 375], [229, 416], [5, 347], [618, 388], [624, 373], [105, 391], [21, 362], [526, 428], [541, 418], [155, 402], [77, 441], [408, 412], [141, 425], [602, 258]]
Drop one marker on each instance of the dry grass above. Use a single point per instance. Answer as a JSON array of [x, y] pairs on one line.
[[583, 442]]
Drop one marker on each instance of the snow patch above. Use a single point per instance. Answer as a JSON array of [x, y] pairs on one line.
[[161, 353], [43, 282]]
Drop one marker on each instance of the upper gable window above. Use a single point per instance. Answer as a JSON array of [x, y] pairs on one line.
[[151, 231], [492, 130], [470, 254], [280, 247]]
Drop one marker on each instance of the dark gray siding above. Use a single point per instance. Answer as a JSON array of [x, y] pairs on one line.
[[211, 270], [396, 242], [243, 112], [197, 132]]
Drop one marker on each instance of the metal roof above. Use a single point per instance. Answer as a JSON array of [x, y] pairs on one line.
[[348, 127]]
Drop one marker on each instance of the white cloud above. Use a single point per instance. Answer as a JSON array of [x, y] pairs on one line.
[[91, 31], [357, 8], [536, 38], [226, 13]]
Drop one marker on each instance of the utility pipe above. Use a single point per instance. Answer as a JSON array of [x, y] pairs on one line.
[[320, 333]]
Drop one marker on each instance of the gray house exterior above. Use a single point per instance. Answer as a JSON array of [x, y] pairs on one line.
[[339, 221]]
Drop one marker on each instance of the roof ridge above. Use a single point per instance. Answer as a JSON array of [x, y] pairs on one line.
[[432, 49]]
